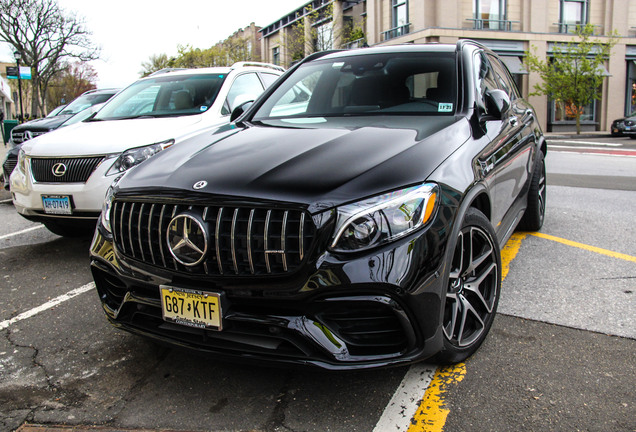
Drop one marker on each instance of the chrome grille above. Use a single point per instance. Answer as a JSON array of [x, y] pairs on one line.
[[241, 240], [78, 170], [18, 137]]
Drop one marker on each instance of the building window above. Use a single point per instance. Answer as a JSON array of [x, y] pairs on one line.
[[324, 37], [573, 14], [490, 14], [400, 15], [399, 20], [630, 106], [276, 55]]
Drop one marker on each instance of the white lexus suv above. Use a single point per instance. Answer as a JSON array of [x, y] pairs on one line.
[[62, 177]]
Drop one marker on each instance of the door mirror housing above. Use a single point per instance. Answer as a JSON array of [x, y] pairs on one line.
[[497, 104], [240, 109]]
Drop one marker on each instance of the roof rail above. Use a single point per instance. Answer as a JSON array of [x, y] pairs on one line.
[[166, 70], [260, 64]]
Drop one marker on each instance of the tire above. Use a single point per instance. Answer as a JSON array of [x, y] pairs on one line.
[[532, 219], [473, 287], [71, 228]]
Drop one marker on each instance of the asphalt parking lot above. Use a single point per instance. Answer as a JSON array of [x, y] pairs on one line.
[[560, 356]]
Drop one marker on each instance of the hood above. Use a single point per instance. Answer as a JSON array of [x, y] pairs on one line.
[[109, 137], [319, 167], [46, 123]]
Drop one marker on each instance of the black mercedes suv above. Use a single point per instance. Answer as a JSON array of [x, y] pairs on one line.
[[351, 217]]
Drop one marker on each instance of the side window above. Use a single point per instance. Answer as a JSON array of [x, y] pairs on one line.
[[484, 76], [268, 79], [504, 80], [245, 87]]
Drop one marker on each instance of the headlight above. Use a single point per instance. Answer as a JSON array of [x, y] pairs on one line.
[[384, 218], [23, 161], [135, 156], [108, 203]]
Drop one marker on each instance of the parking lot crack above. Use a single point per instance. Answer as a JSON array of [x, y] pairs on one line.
[[276, 421], [34, 359]]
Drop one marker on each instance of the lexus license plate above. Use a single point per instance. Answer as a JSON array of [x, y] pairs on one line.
[[57, 204], [191, 308]]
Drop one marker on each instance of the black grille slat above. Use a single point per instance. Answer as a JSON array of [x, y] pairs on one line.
[[78, 170], [8, 167], [242, 241]]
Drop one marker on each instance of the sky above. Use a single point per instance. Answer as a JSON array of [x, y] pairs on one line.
[[130, 31]]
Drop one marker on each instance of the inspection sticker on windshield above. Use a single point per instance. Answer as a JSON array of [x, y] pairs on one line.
[[445, 107]]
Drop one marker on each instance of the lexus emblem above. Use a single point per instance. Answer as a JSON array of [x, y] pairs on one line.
[[59, 169], [187, 239], [200, 185]]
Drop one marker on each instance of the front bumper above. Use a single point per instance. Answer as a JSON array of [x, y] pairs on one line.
[[377, 309], [86, 198]]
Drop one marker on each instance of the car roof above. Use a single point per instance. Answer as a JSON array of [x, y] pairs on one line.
[[403, 48], [252, 66]]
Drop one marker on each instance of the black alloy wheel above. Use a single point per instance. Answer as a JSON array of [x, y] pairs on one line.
[[473, 288]]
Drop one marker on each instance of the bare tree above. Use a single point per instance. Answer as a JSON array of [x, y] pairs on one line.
[[74, 80], [46, 35]]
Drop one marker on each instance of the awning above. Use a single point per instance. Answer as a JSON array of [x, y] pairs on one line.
[[603, 70], [5, 90], [514, 65]]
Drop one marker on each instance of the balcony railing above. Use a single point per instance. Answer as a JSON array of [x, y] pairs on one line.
[[396, 32], [572, 28], [358, 43], [492, 24]]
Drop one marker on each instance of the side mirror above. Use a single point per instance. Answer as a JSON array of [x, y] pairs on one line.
[[497, 104], [239, 110]]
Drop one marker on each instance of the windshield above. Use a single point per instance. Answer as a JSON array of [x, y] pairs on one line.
[[378, 84], [84, 101], [82, 115], [164, 96]]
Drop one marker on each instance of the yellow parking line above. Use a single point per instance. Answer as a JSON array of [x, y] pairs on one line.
[[431, 413], [585, 247]]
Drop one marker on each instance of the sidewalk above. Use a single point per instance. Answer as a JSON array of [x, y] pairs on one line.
[[573, 135]]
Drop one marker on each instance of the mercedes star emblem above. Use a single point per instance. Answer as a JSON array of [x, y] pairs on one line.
[[59, 169], [187, 239], [200, 184], [28, 135]]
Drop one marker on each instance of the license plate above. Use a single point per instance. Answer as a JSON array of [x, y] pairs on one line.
[[628, 128], [57, 204], [191, 308]]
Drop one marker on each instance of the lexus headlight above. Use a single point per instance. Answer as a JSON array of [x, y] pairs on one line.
[[384, 218], [135, 156], [23, 161]]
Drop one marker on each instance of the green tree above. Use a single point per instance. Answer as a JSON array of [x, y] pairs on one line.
[[574, 74], [47, 36], [155, 62]]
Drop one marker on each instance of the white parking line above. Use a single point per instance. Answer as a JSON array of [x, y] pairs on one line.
[[48, 305], [33, 228], [400, 410], [594, 143], [6, 201]]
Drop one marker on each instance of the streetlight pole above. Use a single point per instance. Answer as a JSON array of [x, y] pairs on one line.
[[18, 56]]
